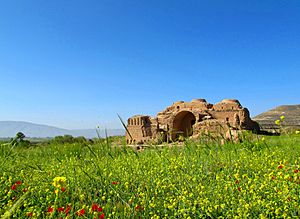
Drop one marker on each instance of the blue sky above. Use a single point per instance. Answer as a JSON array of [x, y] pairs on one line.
[[76, 64]]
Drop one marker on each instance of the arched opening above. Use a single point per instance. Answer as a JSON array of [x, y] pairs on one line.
[[162, 136], [183, 124]]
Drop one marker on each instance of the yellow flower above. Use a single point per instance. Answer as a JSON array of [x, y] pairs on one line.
[[59, 181], [81, 196], [277, 122], [281, 118]]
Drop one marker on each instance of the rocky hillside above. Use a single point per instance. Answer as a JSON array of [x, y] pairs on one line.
[[290, 112]]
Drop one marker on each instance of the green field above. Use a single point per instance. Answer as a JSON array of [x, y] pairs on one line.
[[257, 178]]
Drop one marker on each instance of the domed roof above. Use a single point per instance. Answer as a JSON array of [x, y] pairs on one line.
[[230, 101], [198, 101]]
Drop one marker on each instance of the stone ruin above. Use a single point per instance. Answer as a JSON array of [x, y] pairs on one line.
[[189, 119]]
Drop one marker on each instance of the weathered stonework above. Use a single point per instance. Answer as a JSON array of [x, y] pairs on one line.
[[189, 119]]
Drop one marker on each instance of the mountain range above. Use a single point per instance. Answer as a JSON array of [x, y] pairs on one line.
[[32, 130]]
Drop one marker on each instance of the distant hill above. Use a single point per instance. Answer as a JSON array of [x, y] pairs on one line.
[[10, 128], [290, 112]]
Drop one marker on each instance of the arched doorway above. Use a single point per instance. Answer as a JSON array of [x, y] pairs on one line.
[[183, 124]]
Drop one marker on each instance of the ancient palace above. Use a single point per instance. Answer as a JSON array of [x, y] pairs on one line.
[[184, 119]]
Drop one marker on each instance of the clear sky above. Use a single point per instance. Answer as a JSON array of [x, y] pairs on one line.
[[76, 64]]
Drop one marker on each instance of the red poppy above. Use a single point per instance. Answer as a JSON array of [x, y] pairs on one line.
[[50, 209], [137, 207], [115, 183], [273, 177], [237, 182], [25, 190], [95, 207], [60, 209], [239, 189], [80, 212], [99, 209], [63, 189], [67, 210], [280, 167], [101, 216], [19, 182], [29, 214], [14, 186], [296, 171]]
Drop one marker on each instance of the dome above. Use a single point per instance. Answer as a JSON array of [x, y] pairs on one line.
[[177, 102], [230, 101], [198, 101]]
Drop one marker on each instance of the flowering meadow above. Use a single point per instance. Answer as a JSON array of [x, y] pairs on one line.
[[258, 178]]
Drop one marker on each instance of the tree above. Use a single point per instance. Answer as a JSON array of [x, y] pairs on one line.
[[19, 140]]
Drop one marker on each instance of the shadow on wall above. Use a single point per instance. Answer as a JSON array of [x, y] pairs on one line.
[[183, 124]]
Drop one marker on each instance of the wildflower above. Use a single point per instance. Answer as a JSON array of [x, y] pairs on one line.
[[80, 212], [280, 166], [277, 122], [281, 117], [81, 196], [237, 182], [95, 207], [19, 182], [25, 190], [59, 181], [13, 187], [239, 189], [60, 209], [296, 171], [297, 132], [67, 210], [115, 183], [138, 207], [29, 214], [101, 216], [63, 189], [50, 209]]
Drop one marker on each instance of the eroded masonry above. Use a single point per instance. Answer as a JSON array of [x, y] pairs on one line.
[[184, 119]]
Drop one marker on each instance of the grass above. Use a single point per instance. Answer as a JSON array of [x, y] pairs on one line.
[[257, 178]]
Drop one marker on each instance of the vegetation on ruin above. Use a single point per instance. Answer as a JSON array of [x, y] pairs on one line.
[[258, 178]]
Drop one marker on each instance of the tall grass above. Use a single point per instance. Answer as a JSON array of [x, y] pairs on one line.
[[204, 179]]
